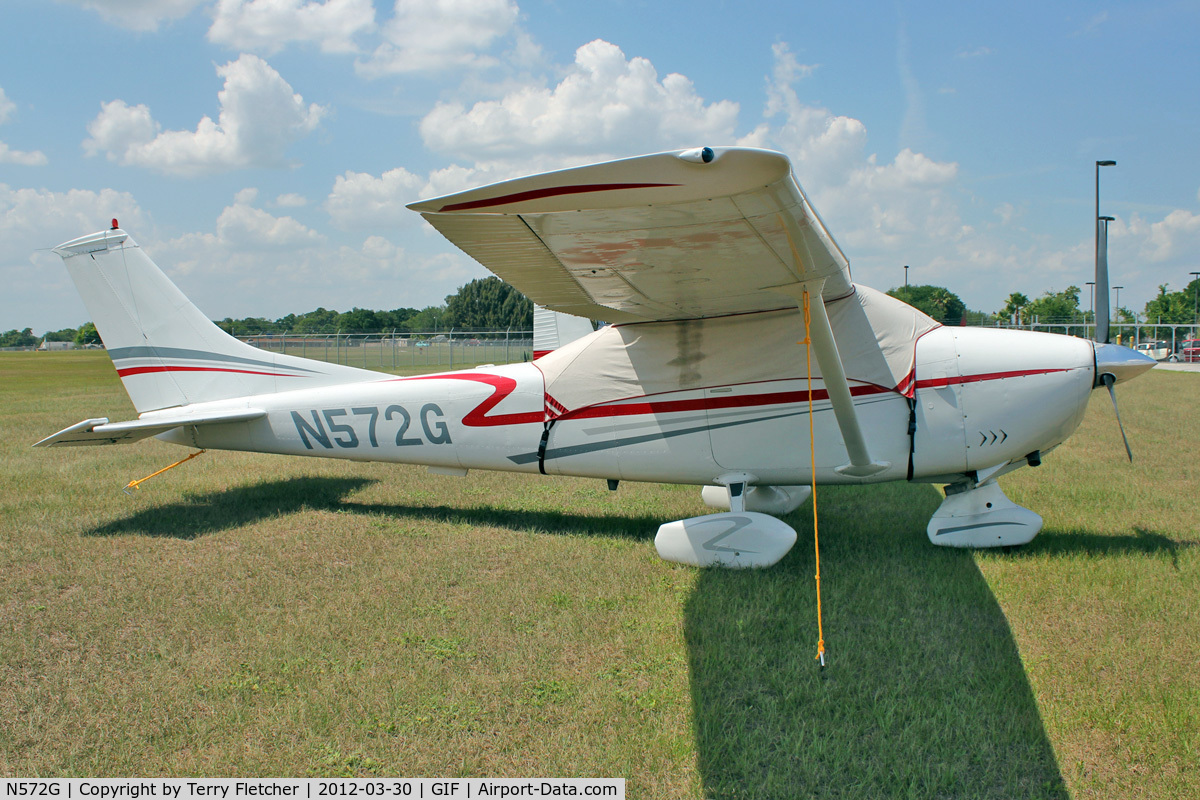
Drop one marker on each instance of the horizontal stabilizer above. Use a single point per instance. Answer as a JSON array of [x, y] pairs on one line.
[[101, 431]]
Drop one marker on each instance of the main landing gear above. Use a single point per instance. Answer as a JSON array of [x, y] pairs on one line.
[[744, 536], [972, 515]]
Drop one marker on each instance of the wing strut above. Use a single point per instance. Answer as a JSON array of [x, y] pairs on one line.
[[821, 333]]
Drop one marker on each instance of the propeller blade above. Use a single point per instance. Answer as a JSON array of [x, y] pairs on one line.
[[1109, 380]]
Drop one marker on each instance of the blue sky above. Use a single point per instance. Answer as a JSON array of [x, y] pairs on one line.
[[262, 151]]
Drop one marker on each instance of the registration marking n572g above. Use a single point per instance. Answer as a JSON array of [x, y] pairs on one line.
[[335, 427]]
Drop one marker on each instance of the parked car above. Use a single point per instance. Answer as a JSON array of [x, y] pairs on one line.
[[1158, 350], [1189, 352]]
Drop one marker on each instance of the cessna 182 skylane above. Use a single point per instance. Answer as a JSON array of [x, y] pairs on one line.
[[707, 262]]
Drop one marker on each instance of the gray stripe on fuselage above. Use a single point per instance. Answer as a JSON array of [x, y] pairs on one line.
[[181, 354], [591, 447]]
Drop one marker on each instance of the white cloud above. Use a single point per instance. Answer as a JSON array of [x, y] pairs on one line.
[[433, 35], [1172, 238], [291, 200], [37, 218], [35, 158], [244, 231], [260, 117], [360, 201], [605, 104], [1007, 212], [872, 208], [825, 148], [266, 26], [1093, 24], [38, 290], [7, 107], [254, 263], [139, 15]]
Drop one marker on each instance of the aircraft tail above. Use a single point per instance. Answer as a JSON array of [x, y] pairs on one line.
[[166, 351], [553, 329]]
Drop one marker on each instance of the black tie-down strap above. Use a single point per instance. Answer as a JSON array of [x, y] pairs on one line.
[[542, 446], [912, 434]]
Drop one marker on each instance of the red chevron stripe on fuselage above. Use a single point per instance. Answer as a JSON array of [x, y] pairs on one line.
[[503, 386]]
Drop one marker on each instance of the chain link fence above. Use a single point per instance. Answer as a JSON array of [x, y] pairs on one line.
[[402, 352], [1129, 334]]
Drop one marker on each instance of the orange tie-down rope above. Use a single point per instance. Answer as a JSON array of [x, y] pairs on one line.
[[136, 484], [812, 449]]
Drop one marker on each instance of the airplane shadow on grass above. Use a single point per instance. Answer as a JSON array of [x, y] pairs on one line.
[[924, 696], [213, 512], [1061, 543]]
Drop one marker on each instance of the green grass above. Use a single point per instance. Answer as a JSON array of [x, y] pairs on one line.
[[258, 615]]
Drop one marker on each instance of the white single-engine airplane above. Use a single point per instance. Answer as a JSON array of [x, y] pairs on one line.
[[708, 262]]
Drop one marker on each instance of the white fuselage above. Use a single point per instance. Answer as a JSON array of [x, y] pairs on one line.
[[982, 398]]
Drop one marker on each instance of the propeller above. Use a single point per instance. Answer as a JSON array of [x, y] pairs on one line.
[[1109, 380], [1113, 362]]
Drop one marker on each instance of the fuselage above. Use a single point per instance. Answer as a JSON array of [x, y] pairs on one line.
[[979, 398]]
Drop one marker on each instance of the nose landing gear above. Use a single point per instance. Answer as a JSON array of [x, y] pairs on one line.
[[981, 516]]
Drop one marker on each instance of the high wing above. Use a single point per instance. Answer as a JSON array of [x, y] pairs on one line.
[[679, 235], [101, 431]]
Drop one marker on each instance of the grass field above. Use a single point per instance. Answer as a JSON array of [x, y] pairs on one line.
[[259, 615]]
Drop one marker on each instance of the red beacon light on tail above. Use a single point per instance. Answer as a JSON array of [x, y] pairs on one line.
[[115, 225]]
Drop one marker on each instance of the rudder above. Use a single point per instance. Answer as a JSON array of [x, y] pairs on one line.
[[167, 352]]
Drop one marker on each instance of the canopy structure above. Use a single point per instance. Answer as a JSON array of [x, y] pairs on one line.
[[876, 337]]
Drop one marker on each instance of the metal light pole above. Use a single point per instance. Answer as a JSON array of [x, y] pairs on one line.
[[1091, 307], [1102, 319], [1195, 298], [906, 281], [1117, 303]]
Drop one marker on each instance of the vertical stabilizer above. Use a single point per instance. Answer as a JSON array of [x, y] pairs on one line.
[[166, 351], [553, 329]]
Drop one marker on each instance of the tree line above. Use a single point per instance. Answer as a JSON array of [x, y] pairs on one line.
[[1062, 307], [484, 304], [491, 304]]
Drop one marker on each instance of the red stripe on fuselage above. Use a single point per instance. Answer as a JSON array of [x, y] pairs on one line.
[[939, 383], [710, 403], [502, 387], [783, 398]]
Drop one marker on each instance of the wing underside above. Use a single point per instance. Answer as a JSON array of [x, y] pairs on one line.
[[659, 237]]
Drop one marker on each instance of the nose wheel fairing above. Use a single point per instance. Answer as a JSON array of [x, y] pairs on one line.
[[981, 517]]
